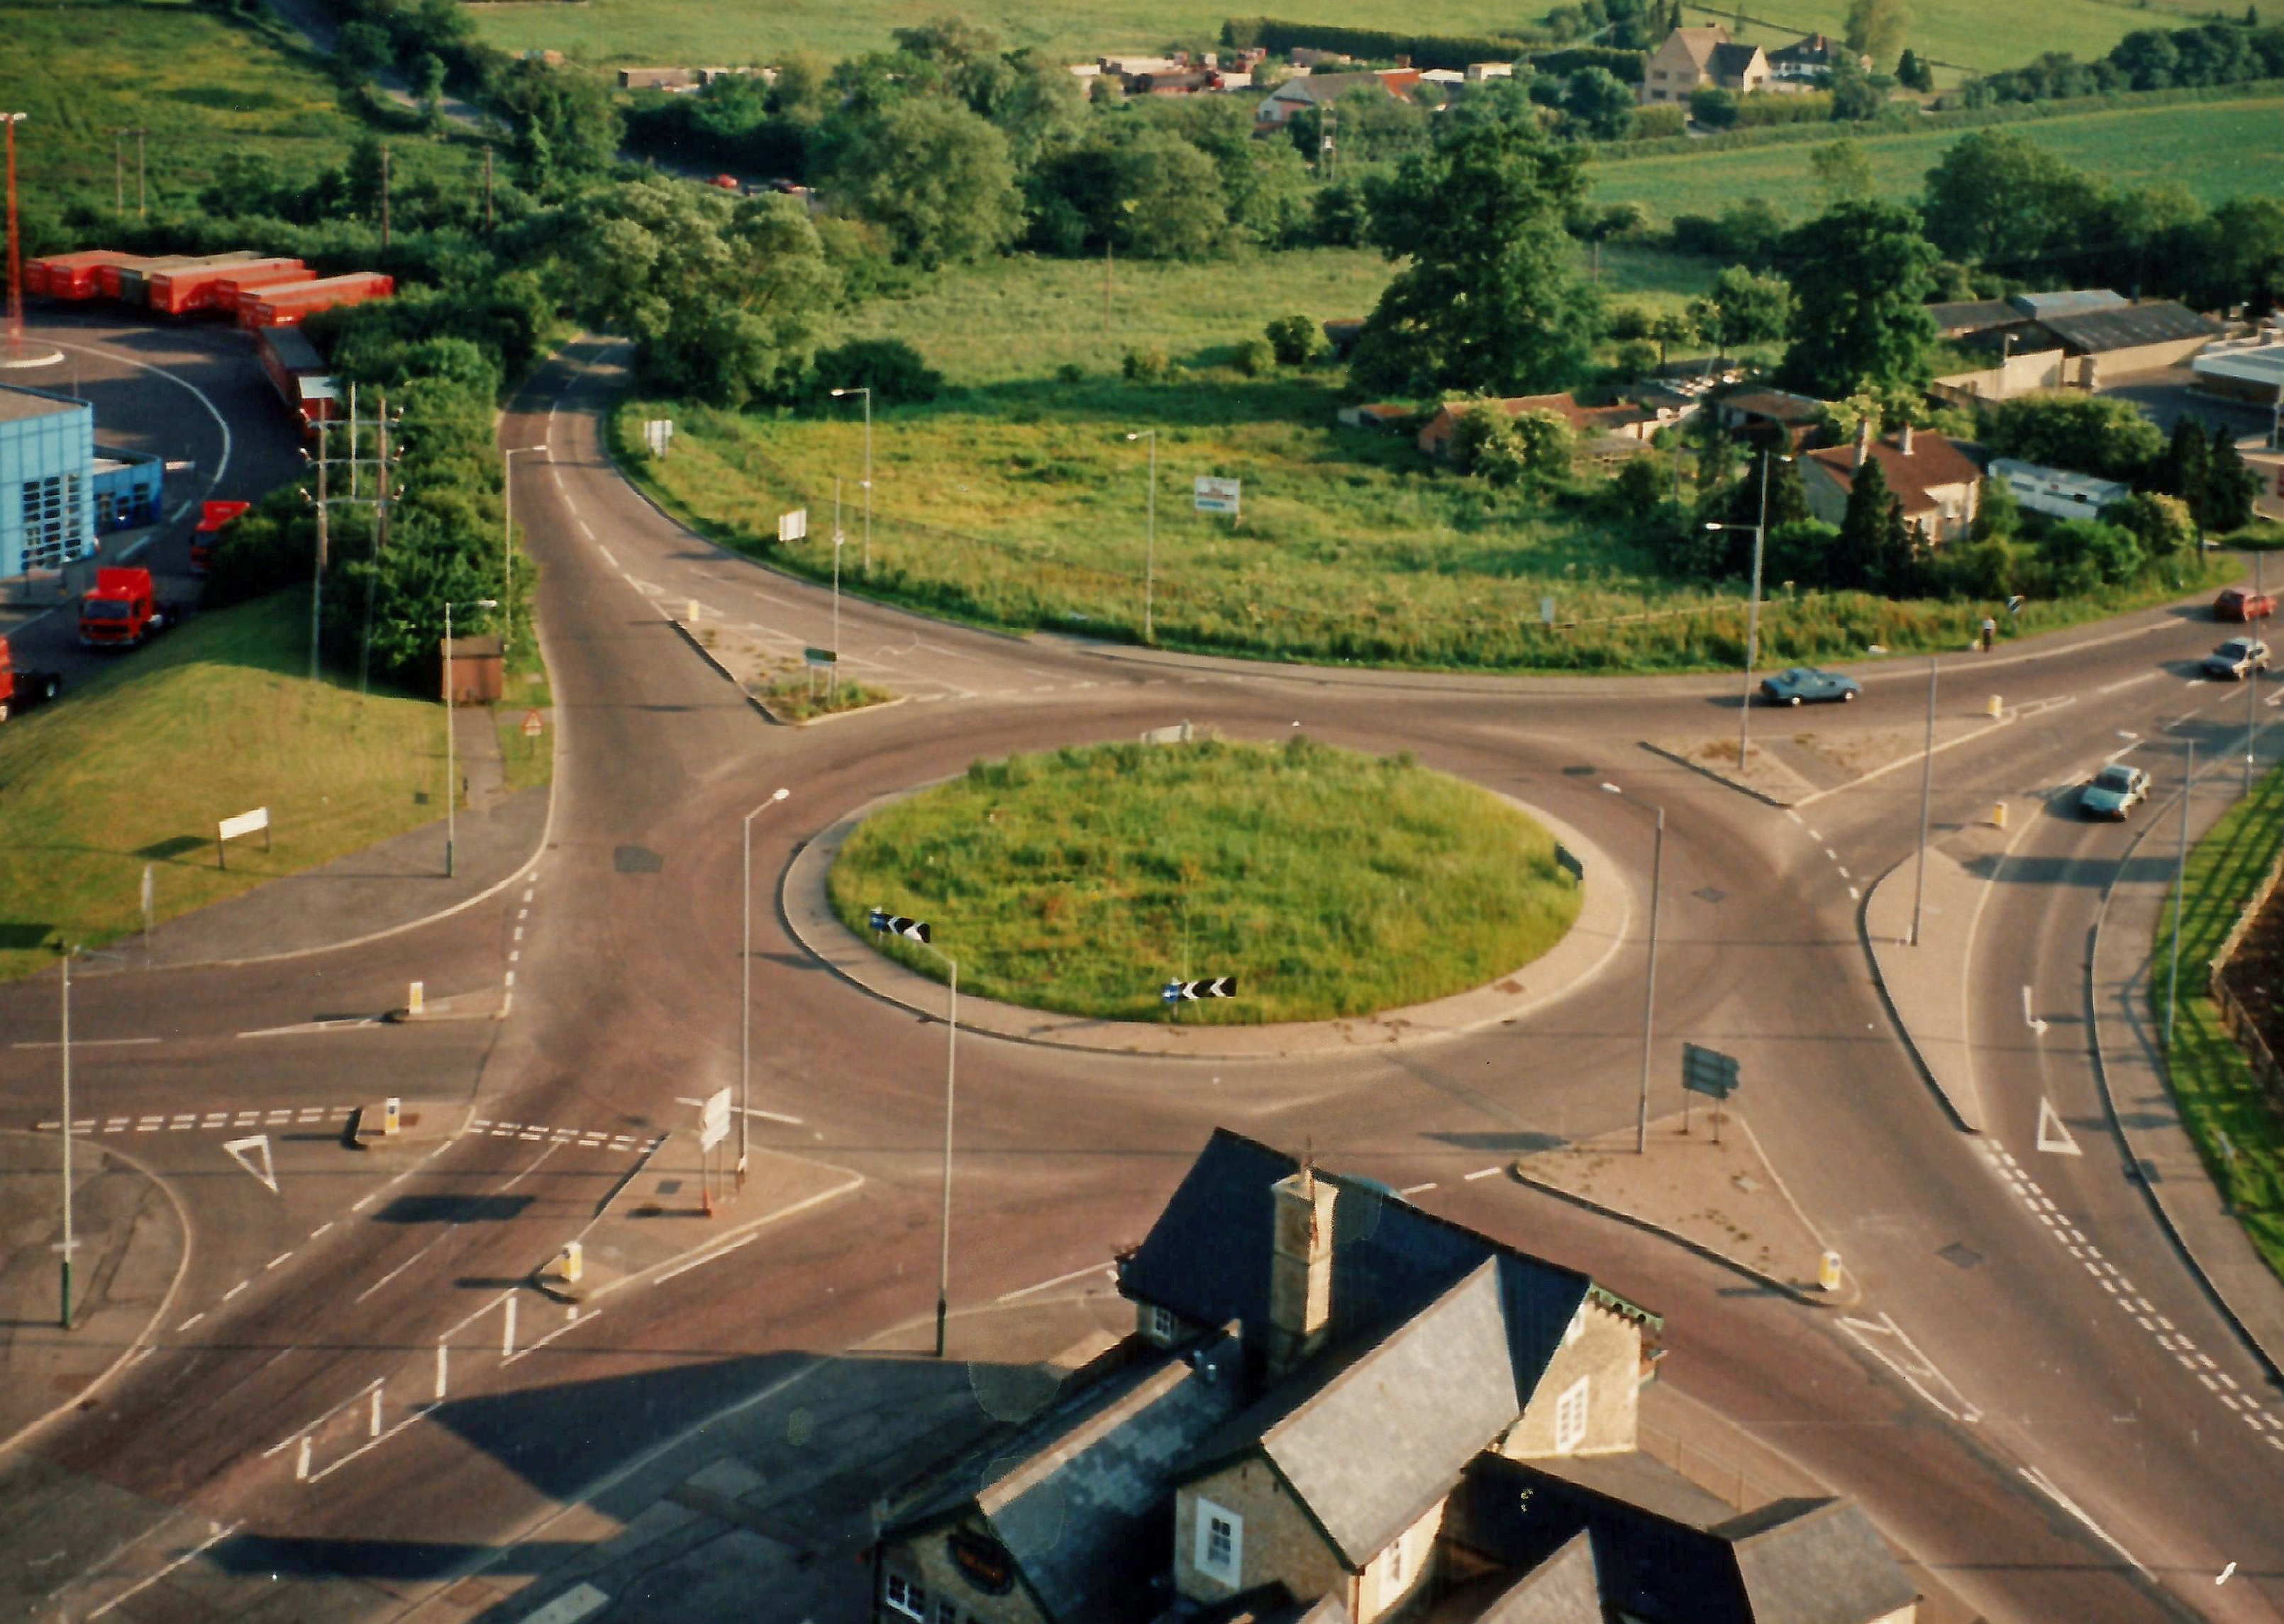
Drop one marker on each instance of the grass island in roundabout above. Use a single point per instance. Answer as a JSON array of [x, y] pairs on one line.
[[1330, 883]]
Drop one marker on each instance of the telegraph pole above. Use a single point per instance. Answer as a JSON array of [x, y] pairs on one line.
[[384, 198], [317, 576], [379, 548], [142, 178], [487, 191]]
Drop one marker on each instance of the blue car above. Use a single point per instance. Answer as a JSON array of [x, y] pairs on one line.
[[1807, 685], [2114, 792]]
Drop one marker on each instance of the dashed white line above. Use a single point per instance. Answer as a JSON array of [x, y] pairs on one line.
[[1415, 1190], [187, 1323], [1480, 1173], [235, 1290]]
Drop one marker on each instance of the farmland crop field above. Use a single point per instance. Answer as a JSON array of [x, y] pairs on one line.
[[2217, 150], [1977, 35]]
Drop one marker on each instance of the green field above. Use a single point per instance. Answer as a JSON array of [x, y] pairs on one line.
[[1981, 35], [201, 87], [2212, 1081], [2217, 150], [1083, 880], [137, 765]]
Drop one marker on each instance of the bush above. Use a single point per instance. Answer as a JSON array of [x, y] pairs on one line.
[[1295, 339], [1455, 52], [890, 368], [1506, 451], [2086, 552], [1337, 215], [1144, 366], [1713, 107], [1634, 358], [1661, 123], [1070, 372], [1256, 358]]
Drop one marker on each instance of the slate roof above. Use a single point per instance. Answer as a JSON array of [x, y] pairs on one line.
[[2066, 301], [1699, 42], [2092, 332], [1814, 1562], [1370, 1439], [1958, 317], [1562, 1590], [1207, 1258], [1730, 61], [1935, 460], [1322, 88], [1775, 404], [1078, 1495], [1809, 51]]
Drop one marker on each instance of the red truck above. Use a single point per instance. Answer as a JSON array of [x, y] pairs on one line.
[[122, 612], [213, 517], [20, 690]]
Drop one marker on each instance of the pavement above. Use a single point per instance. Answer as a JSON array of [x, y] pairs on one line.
[[1593, 939], [128, 1238], [2130, 1038]]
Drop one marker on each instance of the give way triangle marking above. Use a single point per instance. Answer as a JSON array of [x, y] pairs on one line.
[[2052, 1134], [268, 1173]]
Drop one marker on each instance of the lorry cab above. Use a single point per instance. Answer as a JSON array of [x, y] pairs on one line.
[[121, 611], [213, 517], [20, 690]]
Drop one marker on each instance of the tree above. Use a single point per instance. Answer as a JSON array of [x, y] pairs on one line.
[[1741, 307], [1861, 274], [1487, 299], [428, 78], [1855, 98], [2147, 58], [1510, 450], [2087, 551], [1875, 28], [1843, 173], [1599, 103], [1337, 217], [1914, 73], [1996, 198], [364, 176], [363, 49], [2184, 468], [1295, 339], [2101, 435], [1628, 322], [1674, 327], [2162, 524], [1713, 105], [2231, 487], [935, 177]]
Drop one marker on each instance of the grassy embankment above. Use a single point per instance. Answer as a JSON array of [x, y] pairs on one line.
[[2212, 1081], [137, 765], [201, 85], [1083, 880], [1018, 501], [1959, 31]]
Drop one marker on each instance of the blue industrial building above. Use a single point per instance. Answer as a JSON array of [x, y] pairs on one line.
[[47, 479], [129, 488]]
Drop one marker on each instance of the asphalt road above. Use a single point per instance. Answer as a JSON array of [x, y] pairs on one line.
[[2003, 1419]]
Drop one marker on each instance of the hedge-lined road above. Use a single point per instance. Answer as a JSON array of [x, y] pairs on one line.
[[627, 1001]]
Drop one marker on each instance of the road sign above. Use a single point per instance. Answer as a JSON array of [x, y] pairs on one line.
[[1214, 496], [256, 822], [658, 434], [1546, 612], [713, 1120], [897, 925], [1707, 1071], [532, 724], [1568, 862], [820, 657], [1216, 987], [793, 526]]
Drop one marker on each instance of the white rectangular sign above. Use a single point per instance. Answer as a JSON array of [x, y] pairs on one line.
[[713, 1120], [793, 526], [244, 822], [1217, 496]]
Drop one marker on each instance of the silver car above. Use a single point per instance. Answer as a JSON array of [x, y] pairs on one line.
[[2237, 659]]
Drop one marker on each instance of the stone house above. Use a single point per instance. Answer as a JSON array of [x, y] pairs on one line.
[[1938, 484], [1324, 90], [1626, 420], [1704, 56]]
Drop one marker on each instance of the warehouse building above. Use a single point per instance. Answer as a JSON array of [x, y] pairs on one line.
[[47, 478]]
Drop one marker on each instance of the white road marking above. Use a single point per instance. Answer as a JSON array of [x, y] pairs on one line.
[[2128, 683], [187, 1323], [273, 1262], [2039, 1480], [321, 1228], [697, 1262], [755, 1111], [399, 1269], [90, 1042], [1919, 1364], [1796, 816], [1415, 1190], [606, 551], [1480, 1173], [219, 1533], [235, 1290], [582, 1601]]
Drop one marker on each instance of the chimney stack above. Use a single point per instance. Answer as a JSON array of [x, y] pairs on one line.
[[1907, 439], [1862, 440], [1300, 1270]]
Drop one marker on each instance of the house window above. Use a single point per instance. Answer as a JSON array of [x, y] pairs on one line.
[[1396, 1562], [1220, 1551], [1570, 1412], [1576, 1328], [1158, 1322], [906, 1598], [947, 1612]]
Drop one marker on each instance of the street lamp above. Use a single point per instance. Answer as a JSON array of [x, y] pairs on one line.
[[70, 953], [1752, 613], [866, 392], [746, 1001], [451, 770], [1150, 543], [1649, 980], [916, 932], [507, 538], [2180, 892]]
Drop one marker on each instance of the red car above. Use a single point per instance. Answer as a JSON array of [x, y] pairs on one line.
[[2243, 603]]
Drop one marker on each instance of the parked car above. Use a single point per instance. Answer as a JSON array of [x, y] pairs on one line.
[[2243, 603], [1807, 685], [2114, 792], [2237, 659]]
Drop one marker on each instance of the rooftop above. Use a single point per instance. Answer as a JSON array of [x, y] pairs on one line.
[[2125, 326], [2259, 361], [1935, 460], [2067, 301], [19, 405]]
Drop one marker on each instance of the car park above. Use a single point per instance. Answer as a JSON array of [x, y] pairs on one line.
[[2243, 603], [2114, 792], [1807, 685], [2237, 659]]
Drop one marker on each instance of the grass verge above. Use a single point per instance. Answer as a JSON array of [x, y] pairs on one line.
[[525, 759], [2213, 1082], [1330, 883], [797, 696], [137, 765]]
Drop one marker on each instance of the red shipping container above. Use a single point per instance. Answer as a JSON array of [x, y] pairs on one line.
[[193, 287], [73, 276], [283, 307], [233, 293]]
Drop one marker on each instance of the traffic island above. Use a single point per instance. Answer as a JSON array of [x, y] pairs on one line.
[[129, 1247], [1787, 765], [1721, 1199], [792, 692]]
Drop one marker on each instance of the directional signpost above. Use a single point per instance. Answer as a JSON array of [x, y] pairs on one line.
[[1709, 1072], [712, 1128], [1175, 994], [897, 925], [793, 526]]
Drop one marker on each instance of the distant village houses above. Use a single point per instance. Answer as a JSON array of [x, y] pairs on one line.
[[1692, 57]]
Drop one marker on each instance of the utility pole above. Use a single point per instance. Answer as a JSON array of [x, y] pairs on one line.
[[2181, 893], [142, 178], [384, 199], [1150, 534], [488, 190], [117, 173], [1927, 791], [326, 500], [746, 1001], [317, 576], [2252, 695], [64, 1319], [380, 545]]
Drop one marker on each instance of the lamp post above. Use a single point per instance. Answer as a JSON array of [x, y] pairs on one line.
[[1150, 534], [867, 390], [70, 953], [1752, 609], [451, 768], [507, 538], [1649, 980], [2180, 891], [917, 933], [1927, 798], [746, 1001]]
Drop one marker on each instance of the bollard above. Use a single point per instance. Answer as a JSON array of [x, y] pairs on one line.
[[374, 1426], [413, 999], [1995, 708], [1999, 815], [392, 1115], [1827, 1272], [692, 616], [572, 1261]]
